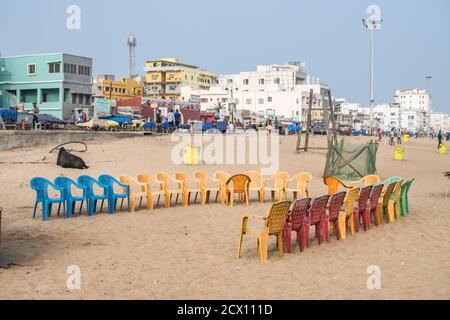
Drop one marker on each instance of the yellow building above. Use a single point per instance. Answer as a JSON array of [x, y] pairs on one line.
[[166, 76], [116, 90]]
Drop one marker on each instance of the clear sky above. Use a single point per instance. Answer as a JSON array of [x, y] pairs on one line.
[[229, 36]]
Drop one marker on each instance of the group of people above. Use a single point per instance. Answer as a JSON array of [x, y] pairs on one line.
[[395, 133], [81, 117], [172, 118]]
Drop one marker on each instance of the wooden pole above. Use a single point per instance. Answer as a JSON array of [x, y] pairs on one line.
[[308, 125], [333, 121]]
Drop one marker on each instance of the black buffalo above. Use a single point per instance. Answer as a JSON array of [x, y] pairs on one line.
[[68, 160]]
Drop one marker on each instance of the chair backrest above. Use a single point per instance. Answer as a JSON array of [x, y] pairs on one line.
[[182, 177], [388, 193], [350, 200], [371, 179], [281, 179], [334, 208], [65, 184], [40, 185], [363, 198], [299, 211], [202, 178], [240, 182], [302, 179], [277, 216], [106, 180], [333, 184], [256, 178], [128, 181], [87, 182], [144, 178], [375, 196], [410, 182], [222, 176], [317, 209], [397, 189], [392, 179]]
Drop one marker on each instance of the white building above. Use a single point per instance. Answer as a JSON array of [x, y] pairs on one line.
[[412, 120], [439, 121], [387, 116], [209, 99], [415, 100], [280, 90]]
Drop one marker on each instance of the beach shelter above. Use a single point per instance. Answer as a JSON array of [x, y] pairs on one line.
[[351, 162]]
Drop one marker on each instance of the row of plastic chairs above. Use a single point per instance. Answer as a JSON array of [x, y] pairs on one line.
[[339, 211], [66, 198]]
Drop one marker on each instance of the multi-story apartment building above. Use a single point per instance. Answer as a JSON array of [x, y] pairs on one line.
[[387, 116], [280, 90], [166, 76], [415, 100], [57, 82], [106, 87], [439, 121]]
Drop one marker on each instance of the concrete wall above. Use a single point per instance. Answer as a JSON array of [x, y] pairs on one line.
[[26, 139]]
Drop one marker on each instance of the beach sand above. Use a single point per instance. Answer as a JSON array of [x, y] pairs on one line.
[[190, 253]]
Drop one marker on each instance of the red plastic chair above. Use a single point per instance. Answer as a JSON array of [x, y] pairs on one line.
[[316, 214], [361, 206], [371, 210], [297, 221], [332, 215]]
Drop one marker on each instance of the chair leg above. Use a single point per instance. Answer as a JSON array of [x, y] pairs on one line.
[[246, 195], [356, 219], [131, 204], [351, 221], [280, 244], [81, 207], [240, 244], [287, 232], [325, 229], [35, 208], [342, 226]]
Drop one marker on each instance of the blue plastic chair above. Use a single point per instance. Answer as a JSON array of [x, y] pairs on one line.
[[66, 184], [150, 125], [206, 126], [88, 183], [109, 181], [165, 125], [40, 185]]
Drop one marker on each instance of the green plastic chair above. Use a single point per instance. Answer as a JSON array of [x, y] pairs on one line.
[[404, 203], [392, 180]]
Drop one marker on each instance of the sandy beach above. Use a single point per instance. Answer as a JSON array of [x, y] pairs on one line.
[[190, 253]]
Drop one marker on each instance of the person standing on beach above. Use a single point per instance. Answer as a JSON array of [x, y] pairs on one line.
[[35, 114], [439, 136], [177, 116], [171, 120], [158, 121], [391, 137], [379, 134], [398, 134]]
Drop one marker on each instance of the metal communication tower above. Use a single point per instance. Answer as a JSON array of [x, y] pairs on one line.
[[132, 42]]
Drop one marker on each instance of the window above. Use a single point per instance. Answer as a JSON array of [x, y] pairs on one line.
[[277, 80], [31, 69], [54, 67], [269, 99], [246, 82], [154, 77], [248, 101], [229, 81], [260, 101], [261, 81], [74, 98]]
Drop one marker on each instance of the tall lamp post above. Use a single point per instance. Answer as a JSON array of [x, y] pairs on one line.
[[372, 23], [429, 78]]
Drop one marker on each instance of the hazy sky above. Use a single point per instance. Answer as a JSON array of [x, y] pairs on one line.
[[236, 35]]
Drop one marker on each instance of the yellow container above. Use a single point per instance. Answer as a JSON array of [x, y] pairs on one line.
[[442, 149], [191, 155], [399, 154], [405, 137]]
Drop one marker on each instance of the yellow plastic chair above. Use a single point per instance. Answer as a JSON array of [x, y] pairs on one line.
[[205, 190], [145, 178], [334, 184], [393, 205], [186, 189], [383, 205], [137, 191], [272, 226], [347, 215], [240, 186], [164, 181], [221, 177], [279, 187], [302, 179], [257, 184]]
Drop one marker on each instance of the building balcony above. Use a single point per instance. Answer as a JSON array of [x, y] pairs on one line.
[[162, 69]]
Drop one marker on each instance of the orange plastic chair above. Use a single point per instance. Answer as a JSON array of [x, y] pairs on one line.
[[205, 190], [367, 180], [257, 184], [163, 179], [383, 205], [137, 191], [279, 187], [221, 177], [334, 184], [302, 179], [393, 208], [240, 187], [272, 226], [346, 217], [146, 179], [184, 186]]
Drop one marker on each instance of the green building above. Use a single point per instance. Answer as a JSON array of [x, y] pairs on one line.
[[57, 82]]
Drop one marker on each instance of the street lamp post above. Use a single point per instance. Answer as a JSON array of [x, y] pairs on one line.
[[373, 23]]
